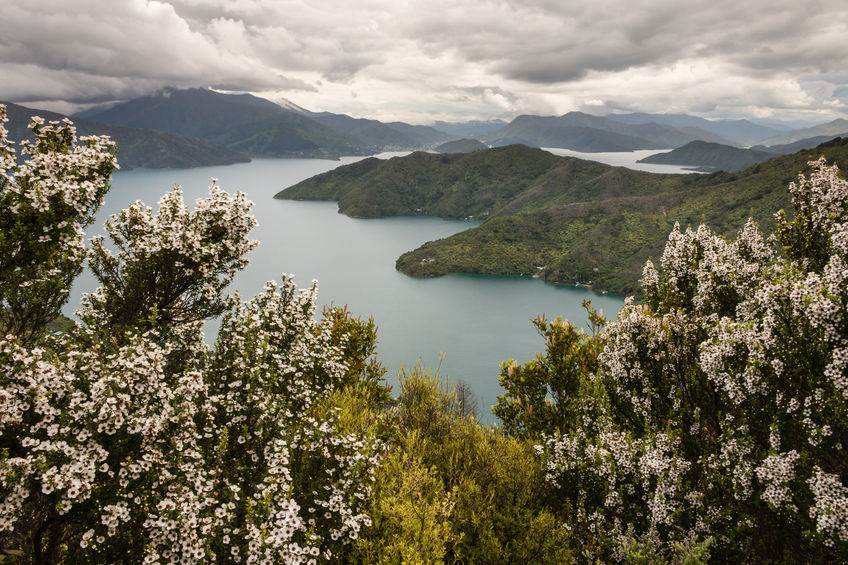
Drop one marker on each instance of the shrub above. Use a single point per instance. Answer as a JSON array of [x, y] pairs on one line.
[[127, 439], [718, 409]]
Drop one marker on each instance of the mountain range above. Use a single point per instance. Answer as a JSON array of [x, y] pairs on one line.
[[193, 127], [473, 128], [391, 136], [259, 127], [830, 129], [741, 132], [588, 133], [137, 147], [243, 122], [465, 145]]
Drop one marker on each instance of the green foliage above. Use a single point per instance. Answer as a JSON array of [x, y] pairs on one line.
[[542, 396], [411, 513], [683, 553], [713, 426], [451, 490], [126, 439], [358, 339]]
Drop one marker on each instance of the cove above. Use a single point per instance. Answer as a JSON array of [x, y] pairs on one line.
[[473, 322]]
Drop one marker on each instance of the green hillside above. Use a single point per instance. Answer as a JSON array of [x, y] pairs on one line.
[[451, 186], [559, 218], [604, 242]]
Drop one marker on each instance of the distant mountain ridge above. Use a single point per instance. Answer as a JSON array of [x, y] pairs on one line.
[[465, 145], [261, 128], [832, 129], [137, 148], [794, 147], [243, 122], [426, 135], [472, 129], [250, 126], [385, 136], [584, 132], [742, 132]]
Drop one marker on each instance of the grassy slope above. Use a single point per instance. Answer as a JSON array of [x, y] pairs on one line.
[[580, 221]]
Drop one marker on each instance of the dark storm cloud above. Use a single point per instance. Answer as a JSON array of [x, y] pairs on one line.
[[727, 55]]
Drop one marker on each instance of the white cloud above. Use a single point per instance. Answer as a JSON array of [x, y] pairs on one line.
[[440, 59]]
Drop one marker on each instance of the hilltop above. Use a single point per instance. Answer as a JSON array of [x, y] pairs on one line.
[[562, 219], [465, 145], [713, 156], [457, 185]]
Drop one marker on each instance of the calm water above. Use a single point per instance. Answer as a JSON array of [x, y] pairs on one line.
[[476, 321]]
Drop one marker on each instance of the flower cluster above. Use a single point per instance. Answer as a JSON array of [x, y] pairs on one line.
[[45, 202], [171, 267], [271, 369]]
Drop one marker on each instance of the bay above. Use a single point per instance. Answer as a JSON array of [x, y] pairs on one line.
[[464, 325]]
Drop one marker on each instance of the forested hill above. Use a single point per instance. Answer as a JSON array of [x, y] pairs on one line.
[[711, 156], [563, 219]]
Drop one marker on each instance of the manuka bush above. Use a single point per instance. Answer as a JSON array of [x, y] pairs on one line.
[[719, 410], [127, 439]]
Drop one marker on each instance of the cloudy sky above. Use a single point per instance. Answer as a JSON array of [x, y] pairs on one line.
[[439, 59]]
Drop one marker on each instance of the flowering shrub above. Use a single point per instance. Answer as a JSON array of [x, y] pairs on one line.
[[719, 409], [45, 202], [292, 486], [127, 439]]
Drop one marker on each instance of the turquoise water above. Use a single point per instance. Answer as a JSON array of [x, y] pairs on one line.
[[475, 321]]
